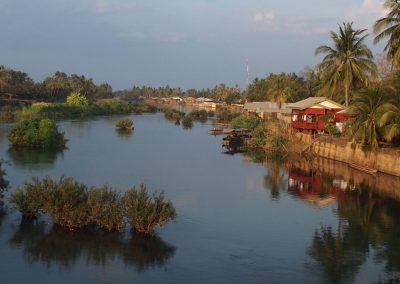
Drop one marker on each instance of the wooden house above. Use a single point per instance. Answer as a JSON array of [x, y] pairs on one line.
[[312, 113]]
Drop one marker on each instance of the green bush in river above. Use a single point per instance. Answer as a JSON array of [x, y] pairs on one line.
[[125, 124], [187, 122], [105, 208], [37, 133], [145, 212], [74, 205], [76, 99]]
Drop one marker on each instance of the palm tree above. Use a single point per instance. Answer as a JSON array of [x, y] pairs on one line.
[[390, 27], [279, 89], [348, 63], [390, 121], [368, 105]]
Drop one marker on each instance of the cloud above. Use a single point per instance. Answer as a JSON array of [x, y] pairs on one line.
[[264, 17], [366, 13]]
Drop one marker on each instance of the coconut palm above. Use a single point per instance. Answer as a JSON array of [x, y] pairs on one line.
[[368, 105], [279, 88], [389, 27], [390, 121], [348, 63]]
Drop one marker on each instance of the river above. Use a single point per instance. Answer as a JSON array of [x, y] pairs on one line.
[[239, 221]]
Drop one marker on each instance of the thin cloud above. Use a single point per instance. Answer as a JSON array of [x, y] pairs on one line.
[[264, 17], [367, 13]]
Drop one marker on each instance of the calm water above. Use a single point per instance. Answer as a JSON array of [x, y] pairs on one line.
[[238, 221]]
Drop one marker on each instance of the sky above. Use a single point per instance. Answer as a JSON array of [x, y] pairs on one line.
[[182, 43]]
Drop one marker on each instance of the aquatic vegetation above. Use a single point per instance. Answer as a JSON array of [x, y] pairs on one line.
[[74, 205], [125, 124], [199, 115], [37, 133], [145, 212], [187, 122], [172, 114], [226, 115]]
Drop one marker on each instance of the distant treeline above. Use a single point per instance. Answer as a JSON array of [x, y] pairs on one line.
[[56, 88]]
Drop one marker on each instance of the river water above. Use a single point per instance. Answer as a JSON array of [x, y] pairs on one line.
[[239, 221]]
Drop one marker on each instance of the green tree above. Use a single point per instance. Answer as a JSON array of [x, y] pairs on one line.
[[390, 121], [389, 27], [77, 99], [346, 64], [279, 88], [367, 105]]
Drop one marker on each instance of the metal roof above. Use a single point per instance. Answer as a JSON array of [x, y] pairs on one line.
[[313, 101]]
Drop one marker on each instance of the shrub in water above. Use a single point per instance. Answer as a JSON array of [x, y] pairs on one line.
[[28, 199], [66, 202], [187, 122], [37, 134], [105, 208], [226, 115], [145, 212], [125, 124]]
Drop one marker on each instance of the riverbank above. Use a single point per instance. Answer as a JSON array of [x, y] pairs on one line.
[[384, 160]]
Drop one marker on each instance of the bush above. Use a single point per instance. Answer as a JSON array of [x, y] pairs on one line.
[[187, 122], [76, 99], [257, 137], [278, 142], [7, 113], [125, 124], [172, 114], [105, 208], [145, 212], [226, 115], [245, 121], [66, 202], [37, 134], [199, 115], [28, 199], [74, 205]]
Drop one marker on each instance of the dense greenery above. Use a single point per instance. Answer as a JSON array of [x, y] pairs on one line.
[[74, 205], [172, 114], [37, 133], [76, 99], [145, 212], [246, 122], [65, 111], [226, 115], [187, 122], [3, 182], [125, 124]]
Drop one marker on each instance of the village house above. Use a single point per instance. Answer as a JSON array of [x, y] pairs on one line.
[[269, 109], [312, 114]]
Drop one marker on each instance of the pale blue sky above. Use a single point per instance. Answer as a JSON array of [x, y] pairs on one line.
[[183, 43]]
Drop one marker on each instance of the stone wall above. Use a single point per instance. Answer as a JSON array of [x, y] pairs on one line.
[[385, 160]]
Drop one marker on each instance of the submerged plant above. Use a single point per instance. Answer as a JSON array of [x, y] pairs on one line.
[[145, 211]]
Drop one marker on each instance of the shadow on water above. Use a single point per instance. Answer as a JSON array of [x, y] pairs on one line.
[[58, 246], [25, 157], [124, 133]]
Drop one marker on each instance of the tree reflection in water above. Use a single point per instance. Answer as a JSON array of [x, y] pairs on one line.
[[369, 224], [23, 157], [275, 179], [64, 248]]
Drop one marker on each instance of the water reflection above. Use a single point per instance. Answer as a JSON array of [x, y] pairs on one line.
[[22, 157], [124, 133], [64, 248], [275, 179]]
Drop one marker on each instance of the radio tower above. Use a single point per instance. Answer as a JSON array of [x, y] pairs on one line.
[[247, 73]]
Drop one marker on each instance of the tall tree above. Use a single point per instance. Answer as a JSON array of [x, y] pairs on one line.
[[389, 27], [348, 63]]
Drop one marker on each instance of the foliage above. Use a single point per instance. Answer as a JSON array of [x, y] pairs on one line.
[[388, 27], [390, 121], [3, 182], [28, 199], [226, 115], [37, 133], [125, 124], [187, 122], [76, 99], [199, 115], [364, 127], [258, 137], [74, 205], [66, 111], [245, 121], [7, 113], [346, 64], [172, 114], [145, 212], [278, 142], [105, 208]]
